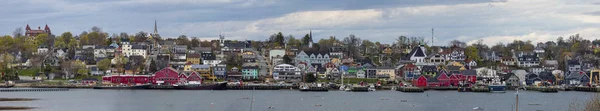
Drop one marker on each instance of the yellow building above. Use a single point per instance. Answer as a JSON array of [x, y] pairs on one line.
[[462, 67], [594, 76], [193, 58]]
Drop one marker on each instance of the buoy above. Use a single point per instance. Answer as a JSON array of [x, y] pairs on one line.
[[271, 107]]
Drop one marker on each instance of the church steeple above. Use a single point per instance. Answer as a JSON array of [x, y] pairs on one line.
[[310, 40]]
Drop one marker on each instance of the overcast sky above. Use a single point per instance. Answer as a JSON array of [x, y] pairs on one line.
[[377, 20]]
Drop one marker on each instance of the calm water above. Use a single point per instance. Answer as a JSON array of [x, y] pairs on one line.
[[234, 100]]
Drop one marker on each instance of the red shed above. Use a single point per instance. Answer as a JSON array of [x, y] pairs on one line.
[[166, 76], [194, 77], [454, 80], [444, 80], [421, 81], [182, 78]]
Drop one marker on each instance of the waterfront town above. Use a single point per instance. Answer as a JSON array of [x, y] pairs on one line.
[[95, 57]]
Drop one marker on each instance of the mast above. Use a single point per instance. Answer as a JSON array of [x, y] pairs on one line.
[[431, 37]]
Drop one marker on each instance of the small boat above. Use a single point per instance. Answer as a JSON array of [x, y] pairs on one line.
[[198, 86], [319, 87], [372, 88], [477, 108], [497, 88], [534, 104], [143, 86]]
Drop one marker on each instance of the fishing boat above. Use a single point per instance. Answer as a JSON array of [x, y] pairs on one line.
[[319, 87], [200, 86], [497, 87], [143, 86]]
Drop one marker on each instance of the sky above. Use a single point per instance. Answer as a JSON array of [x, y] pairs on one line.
[[493, 21]]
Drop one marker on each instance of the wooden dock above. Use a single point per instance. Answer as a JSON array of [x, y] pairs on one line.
[[442, 88], [410, 89], [544, 89], [480, 89], [259, 87], [32, 89], [587, 89]]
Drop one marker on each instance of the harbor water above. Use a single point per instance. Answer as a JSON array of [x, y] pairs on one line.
[[290, 100]]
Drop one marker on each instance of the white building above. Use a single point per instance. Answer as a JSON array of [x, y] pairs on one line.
[[287, 72], [313, 57], [418, 54], [487, 73]]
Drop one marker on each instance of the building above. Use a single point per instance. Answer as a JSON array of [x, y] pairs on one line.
[[576, 78], [509, 61], [33, 33], [166, 76], [193, 58], [209, 59], [572, 65], [511, 80], [234, 74], [526, 59], [436, 59], [249, 57], [487, 73], [128, 79], [550, 64], [313, 57], [536, 69], [249, 72], [203, 70], [418, 54], [133, 50], [410, 71], [275, 53], [287, 72], [386, 72], [220, 70], [429, 71]]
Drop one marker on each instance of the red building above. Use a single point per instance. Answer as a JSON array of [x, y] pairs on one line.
[[420, 82], [167, 76], [454, 80], [194, 77], [33, 33], [182, 78], [444, 80], [127, 79]]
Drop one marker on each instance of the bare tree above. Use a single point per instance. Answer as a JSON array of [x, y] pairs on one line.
[[18, 32]]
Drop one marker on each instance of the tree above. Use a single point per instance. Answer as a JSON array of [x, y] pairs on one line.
[[472, 53], [7, 43], [7, 59], [153, 67], [18, 32], [306, 40], [183, 40], [96, 38], [457, 43], [279, 39], [352, 43], [65, 40], [104, 64], [286, 60], [195, 42], [120, 62], [140, 36], [96, 29], [40, 39], [310, 78]]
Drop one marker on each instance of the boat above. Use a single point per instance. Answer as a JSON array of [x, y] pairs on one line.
[[497, 88], [477, 108], [319, 87], [198, 86], [143, 86]]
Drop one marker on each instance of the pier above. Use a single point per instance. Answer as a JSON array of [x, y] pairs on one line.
[[259, 87], [32, 89], [410, 89], [544, 89], [587, 89]]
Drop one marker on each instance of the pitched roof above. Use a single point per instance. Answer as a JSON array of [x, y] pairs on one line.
[[429, 68], [469, 72], [417, 52]]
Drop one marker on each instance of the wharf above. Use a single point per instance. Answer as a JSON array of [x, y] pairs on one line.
[[161, 87], [317, 89], [587, 89], [359, 89], [410, 89], [32, 89], [260, 87], [544, 89], [442, 88], [63, 86]]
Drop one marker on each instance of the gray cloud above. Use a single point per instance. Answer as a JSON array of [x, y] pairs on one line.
[[378, 20]]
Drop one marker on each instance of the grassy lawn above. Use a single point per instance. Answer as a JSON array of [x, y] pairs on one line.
[[28, 72]]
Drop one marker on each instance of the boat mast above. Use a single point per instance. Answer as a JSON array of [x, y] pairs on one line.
[[252, 100]]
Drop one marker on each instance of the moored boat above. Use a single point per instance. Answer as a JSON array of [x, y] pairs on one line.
[[319, 87]]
